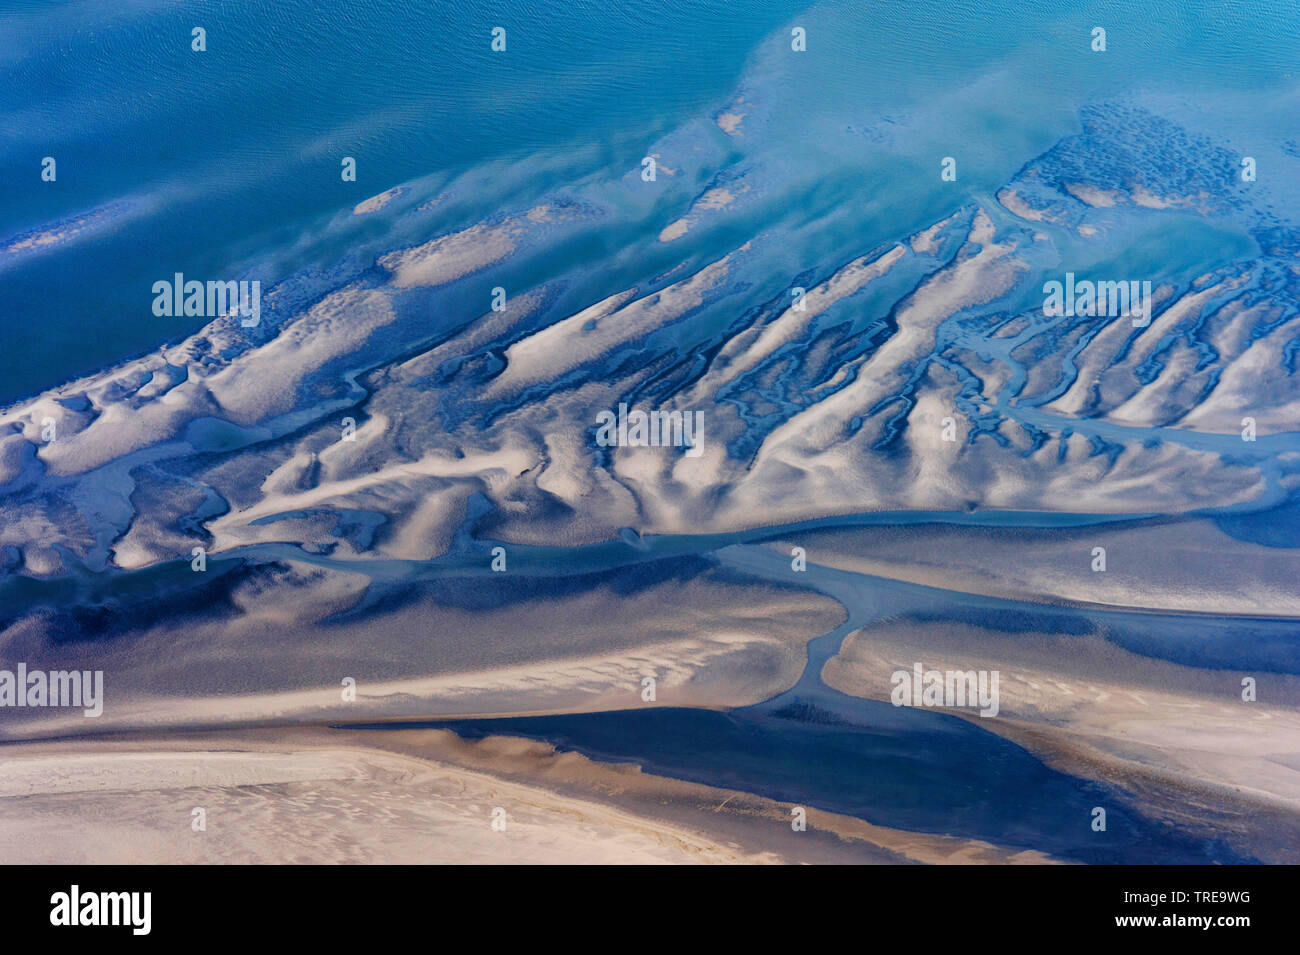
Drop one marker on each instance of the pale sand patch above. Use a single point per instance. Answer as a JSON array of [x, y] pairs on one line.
[[324, 806], [820, 463], [457, 254], [375, 203], [715, 199], [926, 241], [716, 668], [1018, 207], [408, 796], [64, 231], [711, 201], [760, 344], [1092, 195], [674, 231], [47, 238], [556, 349], [1185, 566], [1180, 739], [1150, 200], [708, 640], [449, 257], [729, 123]]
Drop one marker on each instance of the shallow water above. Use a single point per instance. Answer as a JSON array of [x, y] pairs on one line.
[[226, 162]]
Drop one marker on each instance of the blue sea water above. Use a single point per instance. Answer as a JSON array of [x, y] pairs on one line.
[[226, 162]]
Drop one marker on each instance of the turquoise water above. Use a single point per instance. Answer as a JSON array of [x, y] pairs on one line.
[[227, 162]]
